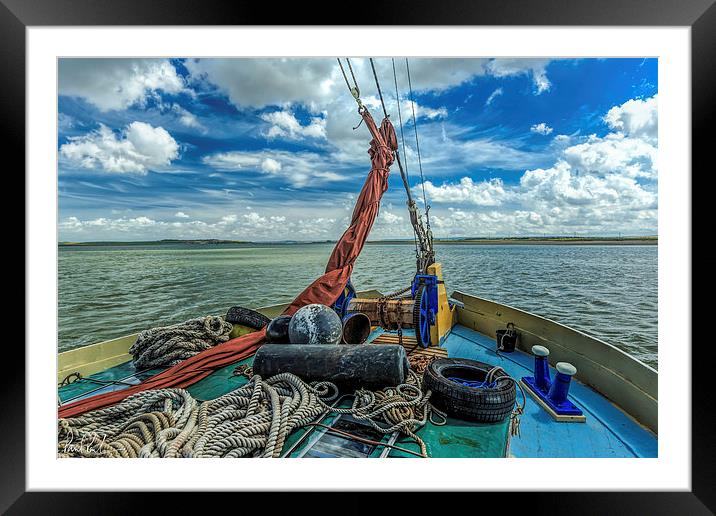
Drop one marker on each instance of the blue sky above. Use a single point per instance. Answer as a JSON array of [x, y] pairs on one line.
[[264, 149]]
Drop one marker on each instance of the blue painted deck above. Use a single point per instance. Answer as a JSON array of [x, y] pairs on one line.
[[608, 432]]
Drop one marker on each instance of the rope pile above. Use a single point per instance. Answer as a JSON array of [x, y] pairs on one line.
[[169, 345], [404, 408], [251, 421]]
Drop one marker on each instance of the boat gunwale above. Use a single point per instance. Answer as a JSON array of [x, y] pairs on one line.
[[557, 323]]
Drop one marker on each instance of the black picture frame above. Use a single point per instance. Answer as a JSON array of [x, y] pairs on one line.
[[700, 15]]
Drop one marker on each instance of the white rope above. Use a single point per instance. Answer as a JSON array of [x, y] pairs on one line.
[[169, 345], [251, 421]]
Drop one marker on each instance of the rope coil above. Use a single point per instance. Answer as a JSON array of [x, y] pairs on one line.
[[169, 345]]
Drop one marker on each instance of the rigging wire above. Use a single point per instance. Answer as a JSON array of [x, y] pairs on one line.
[[377, 84], [417, 145], [355, 91], [352, 74], [400, 118], [402, 138]]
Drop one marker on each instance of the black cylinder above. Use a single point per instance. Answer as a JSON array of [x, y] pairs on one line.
[[277, 330], [356, 328], [370, 366]]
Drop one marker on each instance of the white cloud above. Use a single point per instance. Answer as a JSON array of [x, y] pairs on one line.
[[638, 118], [270, 166], [284, 124], [614, 153], [389, 217], [559, 186], [65, 122], [536, 68], [136, 149], [117, 83], [598, 185], [541, 128], [447, 147], [310, 81], [562, 139], [186, 118], [318, 85], [493, 96], [254, 226], [266, 82], [407, 107], [483, 193], [104, 225], [181, 215], [298, 168]]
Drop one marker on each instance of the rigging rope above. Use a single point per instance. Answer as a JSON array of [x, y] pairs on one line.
[[170, 345], [253, 420]]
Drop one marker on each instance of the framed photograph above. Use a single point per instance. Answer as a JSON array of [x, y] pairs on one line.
[[461, 238]]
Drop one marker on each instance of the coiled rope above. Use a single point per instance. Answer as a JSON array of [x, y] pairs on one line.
[[404, 408], [251, 421], [169, 345], [519, 409]]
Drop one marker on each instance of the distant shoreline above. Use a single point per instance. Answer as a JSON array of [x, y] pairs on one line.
[[651, 240], [536, 241], [208, 241]]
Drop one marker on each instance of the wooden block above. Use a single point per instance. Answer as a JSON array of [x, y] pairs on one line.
[[548, 409]]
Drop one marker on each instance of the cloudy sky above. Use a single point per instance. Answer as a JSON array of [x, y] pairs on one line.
[[264, 149]]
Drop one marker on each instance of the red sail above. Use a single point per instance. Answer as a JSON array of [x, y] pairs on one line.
[[324, 290]]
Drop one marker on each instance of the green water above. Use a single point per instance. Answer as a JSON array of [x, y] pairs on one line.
[[105, 292]]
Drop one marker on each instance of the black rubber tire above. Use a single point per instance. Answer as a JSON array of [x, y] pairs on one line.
[[468, 403], [246, 317]]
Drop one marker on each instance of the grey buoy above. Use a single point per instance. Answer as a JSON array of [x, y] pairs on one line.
[[315, 324]]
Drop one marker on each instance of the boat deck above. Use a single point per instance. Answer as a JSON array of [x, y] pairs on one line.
[[607, 432]]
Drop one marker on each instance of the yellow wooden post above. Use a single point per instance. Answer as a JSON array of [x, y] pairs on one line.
[[444, 319]]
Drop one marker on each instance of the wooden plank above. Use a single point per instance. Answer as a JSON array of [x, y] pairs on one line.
[[409, 343]]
